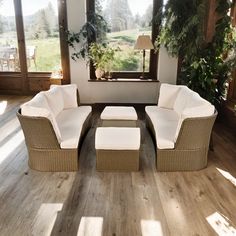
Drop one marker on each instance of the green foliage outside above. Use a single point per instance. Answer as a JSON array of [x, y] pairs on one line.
[[42, 32], [206, 66], [101, 55], [127, 59], [114, 26], [48, 56], [42, 24]]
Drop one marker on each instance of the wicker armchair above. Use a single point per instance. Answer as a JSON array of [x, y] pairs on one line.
[[181, 126], [191, 148], [45, 153]]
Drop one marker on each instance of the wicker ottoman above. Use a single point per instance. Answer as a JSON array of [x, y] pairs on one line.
[[118, 116], [117, 149]]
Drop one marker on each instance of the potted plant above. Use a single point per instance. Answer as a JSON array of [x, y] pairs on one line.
[[101, 57], [205, 65], [95, 28]]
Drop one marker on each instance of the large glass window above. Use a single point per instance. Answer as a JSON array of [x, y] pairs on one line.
[[9, 57], [127, 20], [41, 35], [32, 44]]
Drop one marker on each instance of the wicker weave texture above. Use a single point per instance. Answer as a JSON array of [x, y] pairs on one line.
[[181, 160], [53, 160], [38, 131], [195, 133], [44, 150], [191, 148], [117, 160]]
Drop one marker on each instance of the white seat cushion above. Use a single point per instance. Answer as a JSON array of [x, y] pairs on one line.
[[165, 134], [69, 93], [70, 122], [111, 138], [55, 100], [119, 113], [165, 122], [38, 107], [155, 112]]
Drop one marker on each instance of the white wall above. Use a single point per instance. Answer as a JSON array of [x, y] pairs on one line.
[[167, 67], [117, 92]]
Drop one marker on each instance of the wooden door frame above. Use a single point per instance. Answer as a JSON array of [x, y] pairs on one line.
[[25, 82]]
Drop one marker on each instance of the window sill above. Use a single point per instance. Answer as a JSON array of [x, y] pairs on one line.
[[134, 80]]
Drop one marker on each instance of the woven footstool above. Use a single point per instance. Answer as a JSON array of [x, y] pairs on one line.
[[117, 149], [118, 116]]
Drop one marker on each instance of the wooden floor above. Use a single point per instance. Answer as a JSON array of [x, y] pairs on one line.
[[92, 203]]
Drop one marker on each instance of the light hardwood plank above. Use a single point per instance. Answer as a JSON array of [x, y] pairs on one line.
[[94, 203]]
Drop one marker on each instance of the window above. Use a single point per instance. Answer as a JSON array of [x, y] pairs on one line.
[[41, 30], [32, 44], [9, 53], [127, 19], [231, 96]]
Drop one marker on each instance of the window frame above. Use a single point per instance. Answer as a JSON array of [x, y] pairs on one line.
[[153, 65], [231, 96], [24, 81]]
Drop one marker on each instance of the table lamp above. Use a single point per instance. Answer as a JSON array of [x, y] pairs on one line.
[[143, 42]]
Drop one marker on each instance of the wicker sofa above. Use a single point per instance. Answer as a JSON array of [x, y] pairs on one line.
[[54, 126], [181, 125]]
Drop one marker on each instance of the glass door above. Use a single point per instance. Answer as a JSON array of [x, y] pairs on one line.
[[32, 44], [42, 40], [9, 53]]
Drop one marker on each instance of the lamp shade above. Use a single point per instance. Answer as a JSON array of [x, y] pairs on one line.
[[143, 42]]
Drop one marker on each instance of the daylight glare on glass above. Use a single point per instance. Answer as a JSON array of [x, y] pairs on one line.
[[9, 57], [41, 31], [127, 19]]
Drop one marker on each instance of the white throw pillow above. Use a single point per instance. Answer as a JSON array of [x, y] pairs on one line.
[[168, 94], [55, 100], [69, 93], [38, 107]]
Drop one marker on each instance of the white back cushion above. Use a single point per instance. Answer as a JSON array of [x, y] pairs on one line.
[[38, 107], [38, 101], [70, 122], [195, 107], [198, 111], [168, 94], [69, 93], [55, 100], [196, 100], [182, 99]]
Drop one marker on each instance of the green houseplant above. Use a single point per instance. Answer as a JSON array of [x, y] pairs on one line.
[[101, 56], [95, 29], [90, 43], [205, 66]]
